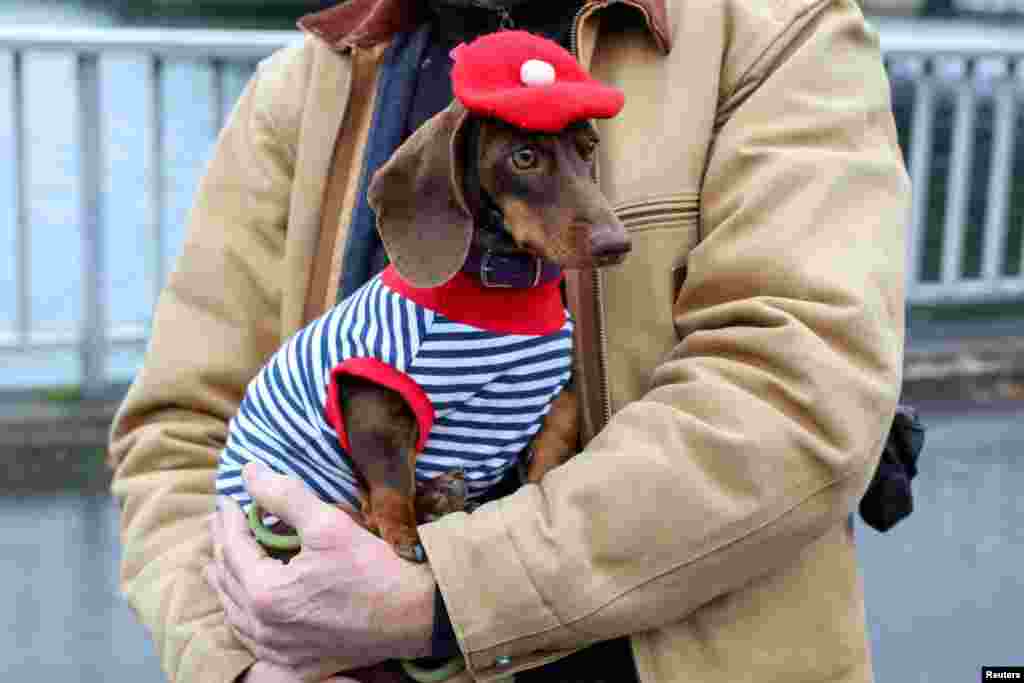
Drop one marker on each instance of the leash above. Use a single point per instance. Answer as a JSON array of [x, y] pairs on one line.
[[268, 538]]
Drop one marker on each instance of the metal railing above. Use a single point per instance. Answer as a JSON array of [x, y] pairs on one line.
[[967, 65], [95, 335], [926, 52]]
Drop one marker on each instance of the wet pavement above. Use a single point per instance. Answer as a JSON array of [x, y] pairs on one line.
[[943, 588], [64, 620]]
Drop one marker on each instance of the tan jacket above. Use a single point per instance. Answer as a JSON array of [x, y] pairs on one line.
[[739, 371]]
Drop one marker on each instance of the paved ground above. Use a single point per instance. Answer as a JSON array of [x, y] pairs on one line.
[[943, 588], [64, 621]]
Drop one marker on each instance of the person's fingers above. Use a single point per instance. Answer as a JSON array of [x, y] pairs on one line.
[[214, 525], [217, 534], [215, 578], [289, 499], [232, 596], [210, 574], [238, 619]]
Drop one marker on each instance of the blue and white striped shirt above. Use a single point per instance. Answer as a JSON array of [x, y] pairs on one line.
[[489, 361]]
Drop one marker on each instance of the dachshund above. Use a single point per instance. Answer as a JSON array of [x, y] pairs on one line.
[[429, 206], [461, 186]]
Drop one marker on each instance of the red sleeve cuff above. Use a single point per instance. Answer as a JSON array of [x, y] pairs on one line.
[[383, 374]]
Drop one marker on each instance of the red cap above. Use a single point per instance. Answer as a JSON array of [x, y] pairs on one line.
[[528, 81]]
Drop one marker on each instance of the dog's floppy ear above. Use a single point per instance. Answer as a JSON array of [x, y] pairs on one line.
[[417, 195]]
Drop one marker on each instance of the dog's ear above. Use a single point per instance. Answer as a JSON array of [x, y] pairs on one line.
[[417, 195]]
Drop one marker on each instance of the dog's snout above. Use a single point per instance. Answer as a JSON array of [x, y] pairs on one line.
[[611, 248], [609, 245]]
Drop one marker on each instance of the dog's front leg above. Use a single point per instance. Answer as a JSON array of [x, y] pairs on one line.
[[557, 439], [382, 435]]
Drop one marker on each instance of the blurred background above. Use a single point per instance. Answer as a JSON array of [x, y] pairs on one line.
[[109, 110]]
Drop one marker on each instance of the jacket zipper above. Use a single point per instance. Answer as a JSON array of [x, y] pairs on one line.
[[574, 29], [602, 340], [602, 335]]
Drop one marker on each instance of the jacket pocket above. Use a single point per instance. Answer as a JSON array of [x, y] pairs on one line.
[[638, 295], [679, 211]]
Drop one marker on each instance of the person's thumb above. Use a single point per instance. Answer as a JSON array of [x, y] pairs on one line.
[[289, 499]]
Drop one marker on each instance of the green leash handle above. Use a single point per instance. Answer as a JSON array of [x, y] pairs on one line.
[[292, 542], [442, 673], [268, 538]]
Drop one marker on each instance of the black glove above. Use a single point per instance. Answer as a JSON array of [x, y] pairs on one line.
[[889, 498]]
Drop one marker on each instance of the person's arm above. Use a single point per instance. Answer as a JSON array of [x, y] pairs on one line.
[[216, 323], [762, 428]]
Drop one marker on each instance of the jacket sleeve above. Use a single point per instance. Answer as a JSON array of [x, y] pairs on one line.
[[215, 324], [762, 428]]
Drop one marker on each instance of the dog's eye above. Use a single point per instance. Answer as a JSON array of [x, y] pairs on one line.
[[524, 158]]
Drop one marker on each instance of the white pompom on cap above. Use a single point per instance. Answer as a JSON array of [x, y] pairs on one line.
[[536, 72]]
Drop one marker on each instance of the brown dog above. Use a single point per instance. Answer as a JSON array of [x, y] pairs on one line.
[[428, 197], [545, 186], [431, 198]]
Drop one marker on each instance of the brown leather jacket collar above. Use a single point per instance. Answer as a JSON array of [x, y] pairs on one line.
[[367, 22]]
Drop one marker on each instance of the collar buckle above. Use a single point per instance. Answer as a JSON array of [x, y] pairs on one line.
[[499, 270]]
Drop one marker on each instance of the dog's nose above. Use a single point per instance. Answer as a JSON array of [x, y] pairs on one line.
[[609, 247]]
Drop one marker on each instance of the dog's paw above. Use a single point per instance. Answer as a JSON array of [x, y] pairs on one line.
[[405, 540], [411, 552], [440, 496]]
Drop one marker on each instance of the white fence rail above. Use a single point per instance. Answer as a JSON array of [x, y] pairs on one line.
[[964, 64], [967, 66], [94, 335]]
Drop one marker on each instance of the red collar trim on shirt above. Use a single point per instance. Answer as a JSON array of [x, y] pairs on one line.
[[530, 310]]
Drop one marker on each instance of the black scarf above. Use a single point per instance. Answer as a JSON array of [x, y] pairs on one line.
[[463, 20]]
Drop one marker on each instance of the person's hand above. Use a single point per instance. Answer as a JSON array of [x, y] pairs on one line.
[[262, 672], [345, 601]]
